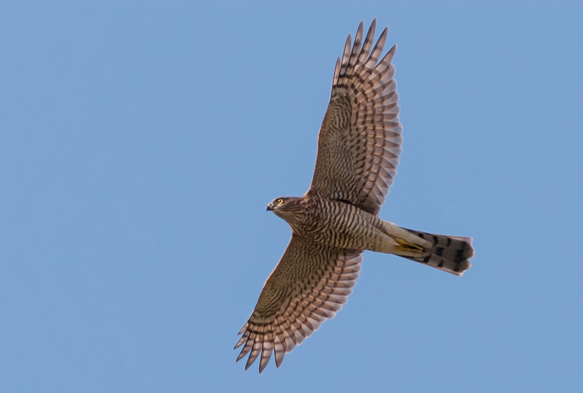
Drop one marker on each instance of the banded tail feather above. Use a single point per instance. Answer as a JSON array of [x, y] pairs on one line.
[[448, 253]]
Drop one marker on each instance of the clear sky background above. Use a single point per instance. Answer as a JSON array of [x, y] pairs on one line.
[[140, 146]]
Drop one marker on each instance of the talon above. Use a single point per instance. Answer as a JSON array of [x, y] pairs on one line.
[[406, 246]]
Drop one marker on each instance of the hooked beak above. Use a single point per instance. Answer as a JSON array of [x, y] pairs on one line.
[[269, 207]]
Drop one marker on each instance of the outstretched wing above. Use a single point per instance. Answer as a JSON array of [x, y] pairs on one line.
[[310, 284], [360, 138]]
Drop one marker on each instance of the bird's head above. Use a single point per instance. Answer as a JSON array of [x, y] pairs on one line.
[[285, 207]]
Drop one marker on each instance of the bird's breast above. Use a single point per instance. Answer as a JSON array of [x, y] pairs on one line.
[[341, 224]]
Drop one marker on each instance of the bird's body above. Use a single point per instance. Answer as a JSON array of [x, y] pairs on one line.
[[337, 219], [333, 223], [339, 224]]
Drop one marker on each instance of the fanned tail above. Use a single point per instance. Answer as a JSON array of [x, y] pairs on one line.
[[448, 253]]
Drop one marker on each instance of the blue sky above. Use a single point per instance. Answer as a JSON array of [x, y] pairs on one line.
[[140, 147]]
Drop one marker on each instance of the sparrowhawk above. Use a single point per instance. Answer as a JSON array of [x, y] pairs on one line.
[[337, 219]]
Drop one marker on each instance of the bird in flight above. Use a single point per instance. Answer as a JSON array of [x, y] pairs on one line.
[[338, 217]]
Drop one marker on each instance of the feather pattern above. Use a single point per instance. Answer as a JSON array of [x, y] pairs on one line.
[[309, 285], [451, 254], [360, 138]]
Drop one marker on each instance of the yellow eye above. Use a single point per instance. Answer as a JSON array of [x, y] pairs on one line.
[[279, 201]]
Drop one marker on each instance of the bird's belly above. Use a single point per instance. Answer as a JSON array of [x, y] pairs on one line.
[[346, 226]]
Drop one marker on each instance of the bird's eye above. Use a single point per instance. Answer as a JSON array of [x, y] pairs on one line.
[[279, 201]]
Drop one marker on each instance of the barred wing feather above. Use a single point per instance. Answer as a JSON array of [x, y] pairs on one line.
[[360, 138], [310, 284]]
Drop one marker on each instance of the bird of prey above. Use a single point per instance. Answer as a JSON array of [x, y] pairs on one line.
[[338, 218]]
